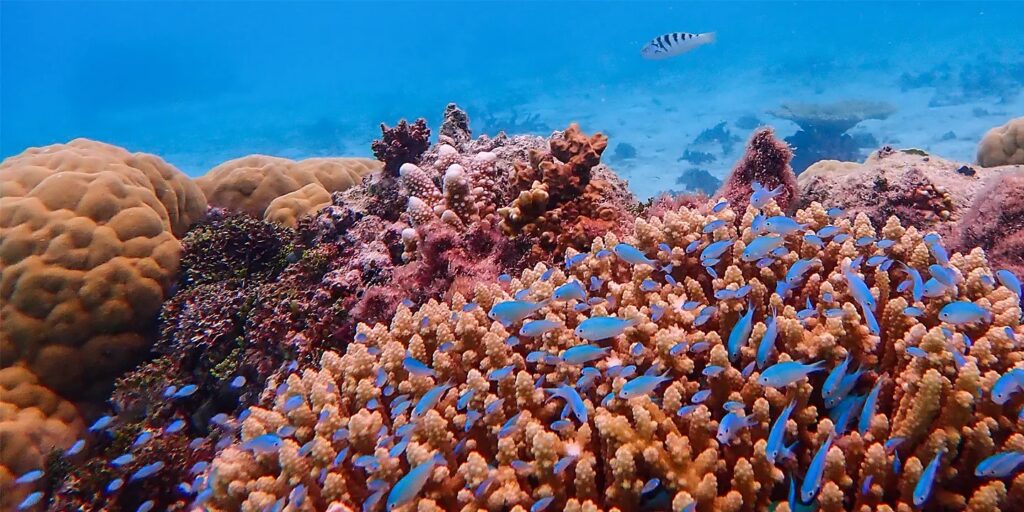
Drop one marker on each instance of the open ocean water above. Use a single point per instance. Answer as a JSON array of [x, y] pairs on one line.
[[202, 82]]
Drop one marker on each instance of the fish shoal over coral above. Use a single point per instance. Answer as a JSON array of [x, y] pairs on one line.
[[907, 419], [497, 323]]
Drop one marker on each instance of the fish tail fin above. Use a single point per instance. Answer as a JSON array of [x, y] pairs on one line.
[[710, 37]]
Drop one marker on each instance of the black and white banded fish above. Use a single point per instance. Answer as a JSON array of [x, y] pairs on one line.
[[674, 43]]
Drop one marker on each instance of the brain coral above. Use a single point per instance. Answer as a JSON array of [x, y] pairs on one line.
[[33, 421], [669, 406], [250, 184], [87, 247], [1003, 145]]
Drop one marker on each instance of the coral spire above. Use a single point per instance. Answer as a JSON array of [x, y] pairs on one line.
[[401, 144], [766, 161]]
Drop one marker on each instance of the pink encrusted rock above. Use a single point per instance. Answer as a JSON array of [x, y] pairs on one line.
[[766, 161]]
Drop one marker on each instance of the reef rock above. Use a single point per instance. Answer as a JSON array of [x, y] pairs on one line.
[[995, 220], [766, 162], [251, 184], [87, 250]]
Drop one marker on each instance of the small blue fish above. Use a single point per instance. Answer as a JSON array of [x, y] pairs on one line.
[[923, 489], [170, 390], [514, 311], [569, 291], [603, 327], [917, 352], [782, 225], [238, 382], [699, 347], [573, 399], [1010, 281], [583, 354], [912, 311], [713, 225], [651, 485], [293, 402], [636, 350], [142, 439], [499, 374], [776, 436], [812, 480], [641, 386], [538, 327], [429, 400], [595, 284], [186, 391], [31, 500], [962, 312], [603, 253], [714, 250], [864, 241], [760, 247], [740, 334], [101, 424], [1000, 465], [677, 349], [265, 444], [841, 237], [877, 260], [29, 477], [75, 448], [115, 485], [1007, 384], [657, 312], [509, 426], [648, 285], [859, 290], [147, 471], [122, 460], [835, 211], [730, 426], [894, 443], [700, 396], [764, 348], [828, 231], [632, 255], [868, 411], [542, 504], [547, 274], [938, 252], [712, 370], [761, 196], [796, 271], [786, 373], [814, 240], [720, 205], [686, 410], [410, 485], [835, 378], [943, 275]]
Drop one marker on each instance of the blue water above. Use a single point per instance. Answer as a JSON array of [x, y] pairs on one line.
[[202, 82]]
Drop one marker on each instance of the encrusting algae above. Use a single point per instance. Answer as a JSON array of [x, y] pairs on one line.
[[501, 420]]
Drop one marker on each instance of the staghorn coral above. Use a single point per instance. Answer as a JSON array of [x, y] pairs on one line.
[[252, 183], [33, 421], [1003, 145], [823, 128], [924, 191], [87, 249], [350, 427], [995, 221], [766, 161], [402, 144]]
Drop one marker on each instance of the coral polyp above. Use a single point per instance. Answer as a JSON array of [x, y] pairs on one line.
[[675, 408]]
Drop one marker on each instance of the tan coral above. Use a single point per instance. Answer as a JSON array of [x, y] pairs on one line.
[[249, 184], [289, 208], [1003, 145]]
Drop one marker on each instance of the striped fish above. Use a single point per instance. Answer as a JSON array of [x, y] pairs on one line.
[[674, 43]]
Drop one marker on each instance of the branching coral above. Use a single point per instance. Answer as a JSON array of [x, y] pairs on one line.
[[516, 418], [823, 129], [402, 144], [252, 183], [1003, 145], [766, 162]]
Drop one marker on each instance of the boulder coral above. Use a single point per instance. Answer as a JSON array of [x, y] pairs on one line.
[[995, 221], [1003, 145], [33, 422], [668, 407], [251, 184], [766, 161], [87, 250]]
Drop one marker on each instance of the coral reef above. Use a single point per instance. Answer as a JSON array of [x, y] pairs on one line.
[[402, 144], [765, 162], [924, 191], [995, 221], [286, 210], [670, 409], [1003, 145], [87, 249], [233, 246], [455, 127], [33, 421], [252, 183], [823, 128]]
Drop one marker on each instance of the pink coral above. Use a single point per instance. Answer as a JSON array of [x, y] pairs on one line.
[[766, 162], [995, 221]]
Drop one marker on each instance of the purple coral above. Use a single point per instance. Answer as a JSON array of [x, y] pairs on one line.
[[766, 161], [403, 143]]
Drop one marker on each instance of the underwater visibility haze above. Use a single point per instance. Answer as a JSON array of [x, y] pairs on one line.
[[511, 256]]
